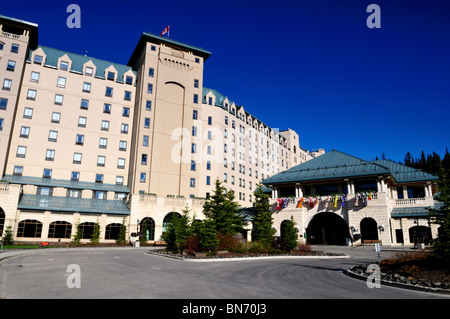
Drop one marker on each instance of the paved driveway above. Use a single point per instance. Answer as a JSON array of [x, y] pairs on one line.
[[132, 273]]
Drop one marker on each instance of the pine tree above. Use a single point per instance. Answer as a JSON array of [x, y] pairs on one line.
[[223, 211], [408, 159], [441, 247], [208, 236], [8, 236], [289, 239], [263, 231], [96, 233], [121, 239]]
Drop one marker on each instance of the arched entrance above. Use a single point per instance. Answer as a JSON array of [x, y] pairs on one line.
[[369, 230], [168, 218], [148, 225], [420, 234], [327, 229]]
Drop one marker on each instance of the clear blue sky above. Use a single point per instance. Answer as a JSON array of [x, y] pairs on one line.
[[310, 65]]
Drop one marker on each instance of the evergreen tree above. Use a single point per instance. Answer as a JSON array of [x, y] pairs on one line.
[[442, 217], [121, 239], [8, 236], [183, 229], [208, 235], [408, 159], [263, 231], [170, 234], [222, 211], [96, 233], [289, 238], [78, 234]]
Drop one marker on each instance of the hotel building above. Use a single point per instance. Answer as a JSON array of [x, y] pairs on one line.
[[89, 141]]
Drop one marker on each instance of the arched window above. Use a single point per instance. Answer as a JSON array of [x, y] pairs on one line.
[[2, 221], [60, 229], [147, 225], [168, 219], [112, 231], [30, 228], [87, 230]]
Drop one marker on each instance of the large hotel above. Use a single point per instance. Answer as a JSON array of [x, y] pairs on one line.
[[86, 141]]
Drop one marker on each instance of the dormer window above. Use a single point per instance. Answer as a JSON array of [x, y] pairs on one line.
[[111, 76], [129, 80], [89, 71], [64, 66]]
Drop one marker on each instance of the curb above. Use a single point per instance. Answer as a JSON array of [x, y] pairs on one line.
[[231, 259], [352, 274]]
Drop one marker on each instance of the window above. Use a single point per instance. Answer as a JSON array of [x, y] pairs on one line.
[[82, 121], [193, 148], [79, 140], [143, 177], [37, 59], [105, 125], [226, 120], [194, 131], [18, 170], [144, 159], [99, 178], [150, 88], [35, 77], [124, 128], [127, 96], [210, 101], [109, 91], [75, 176], [121, 163], [84, 104], [3, 103], [1, 45], [61, 82], [15, 48], [122, 145], [56, 117], [11, 65], [148, 105], [44, 191], [87, 87], [31, 94], [64, 66], [193, 164], [101, 161], [103, 142], [77, 158], [197, 60], [2, 121], [126, 111], [88, 71], [21, 151], [145, 140], [119, 180], [107, 108], [24, 131], [209, 120], [111, 76], [47, 173], [192, 182], [196, 83], [196, 98], [28, 113], [151, 72], [129, 80], [225, 177], [7, 84], [59, 99], [53, 136], [195, 115], [99, 194], [153, 48], [74, 193], [208, 180], [208, 165]]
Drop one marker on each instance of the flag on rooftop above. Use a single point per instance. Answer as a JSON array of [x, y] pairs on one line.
[[166, 31]]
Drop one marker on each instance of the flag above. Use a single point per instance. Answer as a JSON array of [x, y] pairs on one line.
[[279, 203], [343, 200], [166, 31], [300, 203], [285, 203]]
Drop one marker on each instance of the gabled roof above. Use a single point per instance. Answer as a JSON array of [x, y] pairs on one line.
[[335, 164], [79, 60]]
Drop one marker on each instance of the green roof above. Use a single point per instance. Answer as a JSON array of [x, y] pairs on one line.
[[79, 60], [38, 181], [70, 204], [335, 164]]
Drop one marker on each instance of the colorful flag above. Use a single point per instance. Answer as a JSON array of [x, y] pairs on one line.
[[343, 200], [285, 202], [166, 31], [300, 203]]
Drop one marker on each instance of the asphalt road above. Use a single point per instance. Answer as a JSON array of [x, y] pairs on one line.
[[134, 274]]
